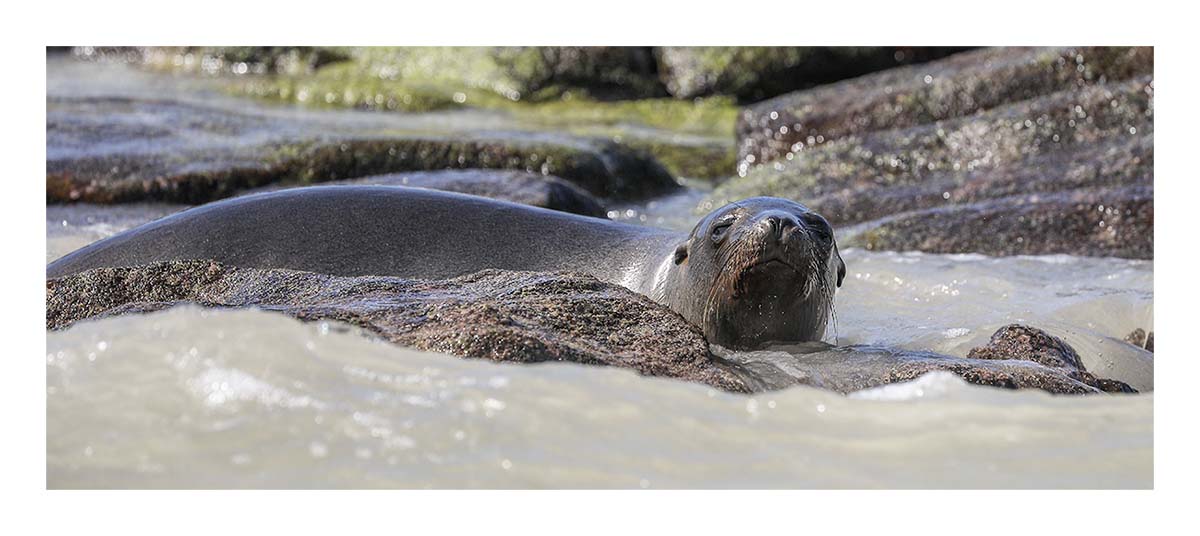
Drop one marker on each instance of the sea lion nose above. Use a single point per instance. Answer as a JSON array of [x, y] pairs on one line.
[[776, 224]]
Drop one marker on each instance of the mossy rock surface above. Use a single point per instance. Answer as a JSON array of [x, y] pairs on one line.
[[754, 73], [588, 91]]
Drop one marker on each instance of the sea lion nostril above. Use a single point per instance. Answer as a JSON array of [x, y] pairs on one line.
[[777, 225]]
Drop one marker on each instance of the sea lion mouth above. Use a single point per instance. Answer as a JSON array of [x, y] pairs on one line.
[[772, 263], [764, 273]]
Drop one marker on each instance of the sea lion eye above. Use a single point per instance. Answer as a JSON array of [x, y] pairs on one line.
[[818, 225], [720, 228]]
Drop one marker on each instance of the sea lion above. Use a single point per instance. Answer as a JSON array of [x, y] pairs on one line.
[[750, 273]]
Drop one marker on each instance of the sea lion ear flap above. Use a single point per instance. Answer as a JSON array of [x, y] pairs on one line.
[[841, 266], [681, 252]]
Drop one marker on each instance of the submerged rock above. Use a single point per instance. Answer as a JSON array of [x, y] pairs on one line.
[[958, 86], [1017, 357], [755, 73], [1141, 339], [529, 317], [112, 150]]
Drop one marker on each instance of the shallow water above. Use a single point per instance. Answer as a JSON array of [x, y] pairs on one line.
[[196, 398]]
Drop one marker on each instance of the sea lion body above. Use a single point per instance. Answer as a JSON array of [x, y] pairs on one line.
[[426, 234]]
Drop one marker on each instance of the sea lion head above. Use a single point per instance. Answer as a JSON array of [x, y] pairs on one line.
[[757, 271]]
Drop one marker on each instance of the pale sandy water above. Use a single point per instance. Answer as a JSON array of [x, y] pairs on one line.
[[195, 398]]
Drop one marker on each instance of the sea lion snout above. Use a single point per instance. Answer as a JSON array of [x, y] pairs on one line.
[[775, 224]]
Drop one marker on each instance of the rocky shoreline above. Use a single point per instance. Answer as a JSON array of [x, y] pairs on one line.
[[1050, 147], [1013, 151]]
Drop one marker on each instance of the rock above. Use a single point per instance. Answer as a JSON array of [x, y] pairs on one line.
[[705, 159], [1107, 222], [1016, 357], [534, 189], [528, 317], [754, 73], [1003, 137], [957, 86], [1017, 342], [112, 150], [520, 317], [1014, 179], [605, 72], [1141, 339], [854, 368], [563, 89], [1124, 161], [430, 76]]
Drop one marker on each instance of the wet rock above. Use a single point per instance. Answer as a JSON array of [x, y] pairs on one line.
[[1017, 342], [1113, 222], [112, 150], [957, 86], [520, 317], [704, 159], [853, 368], [1124, 161], [1141, 339], [962, 148], [1017, 357], [605, 72], [1014, 179], [534, 189], [754, 73]]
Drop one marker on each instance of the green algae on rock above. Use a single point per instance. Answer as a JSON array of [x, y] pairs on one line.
[[755, 73], [957, 86], [569, 89]]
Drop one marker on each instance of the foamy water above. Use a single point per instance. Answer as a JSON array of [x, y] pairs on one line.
[[197, 398]]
